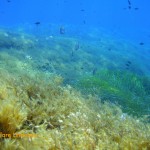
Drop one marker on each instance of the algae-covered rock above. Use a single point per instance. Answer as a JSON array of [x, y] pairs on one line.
[[39, 113], [9, 39]]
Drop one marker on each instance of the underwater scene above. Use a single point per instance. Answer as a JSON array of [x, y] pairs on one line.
[[74, 75]]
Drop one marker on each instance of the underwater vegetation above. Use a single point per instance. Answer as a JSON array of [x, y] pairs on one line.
[[39, 112], [59, 117], [9, 39], [125, 88]]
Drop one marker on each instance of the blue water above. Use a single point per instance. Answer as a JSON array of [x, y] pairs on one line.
[[96, 20], [113, 15]]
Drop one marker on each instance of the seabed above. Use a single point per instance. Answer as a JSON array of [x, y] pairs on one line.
[[63, 93]]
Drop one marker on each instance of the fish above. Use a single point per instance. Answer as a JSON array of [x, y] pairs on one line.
[[77, 46], [127, 65], [82, 10], [62, 30], [37, 23], [8, 1], [136, 8], [72, 53], [84, 22], [94, 71], [129, 2], [129, 62], [141, 43]]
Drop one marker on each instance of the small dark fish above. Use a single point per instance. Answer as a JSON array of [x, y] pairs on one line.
[[109, 49], [8, 1], [141, 43], [84, 22], [37, 23], [129, 2], [94, 71], [72, 53], [129, 62], [136, 8], [129, 7], [77, 46], [82, 10], [62, 30]]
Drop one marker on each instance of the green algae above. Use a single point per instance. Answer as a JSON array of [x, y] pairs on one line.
[[129, 90], [36, 102]]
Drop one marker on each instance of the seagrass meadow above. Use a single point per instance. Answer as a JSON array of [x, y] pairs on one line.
[[52, 99]]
